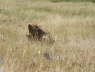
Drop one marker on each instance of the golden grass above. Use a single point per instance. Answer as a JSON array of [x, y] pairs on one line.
[[71, 24]]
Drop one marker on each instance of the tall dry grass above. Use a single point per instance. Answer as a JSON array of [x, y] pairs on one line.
[[71, 24]]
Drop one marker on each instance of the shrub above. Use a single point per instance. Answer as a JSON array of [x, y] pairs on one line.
[[73, 0]]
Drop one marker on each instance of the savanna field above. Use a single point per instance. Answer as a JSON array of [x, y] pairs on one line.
[[71, 24]]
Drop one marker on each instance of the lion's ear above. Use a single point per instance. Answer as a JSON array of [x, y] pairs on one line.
[[29, 25]]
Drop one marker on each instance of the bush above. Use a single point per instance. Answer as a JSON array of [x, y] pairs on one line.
[[56, 0], [93, 1], [73, 0]]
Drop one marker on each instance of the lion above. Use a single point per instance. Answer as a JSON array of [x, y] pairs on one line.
[[38, 33]]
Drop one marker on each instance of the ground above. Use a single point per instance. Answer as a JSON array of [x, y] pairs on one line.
[[72, 25]]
